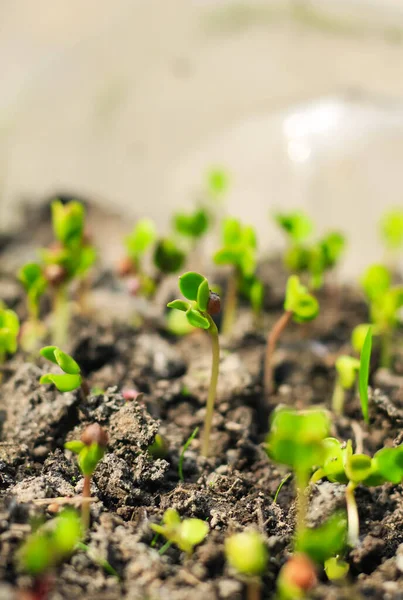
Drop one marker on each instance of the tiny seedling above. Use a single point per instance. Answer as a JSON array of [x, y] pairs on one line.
[[185, 447], [192, 226], [199, 311], [9, 329], [69, 259], [392, 229], [159, 448], [296, 439], [90, 450], [336, 568], [34, 283], [359, 334], [324, 256], [363, 374], [217, 183], [247, 553], [46, 548], [239, 252], [71, 379], [342, 466], [300, 306], [137, 243], [168, 257], [185, 534], [296, 225], [347, 368]]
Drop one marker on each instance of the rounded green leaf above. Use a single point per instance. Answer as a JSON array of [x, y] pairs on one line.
[[306, 309], [74, 446], [376, 281], [232, 231], [171, 517], [389, 463], [48, 352], [324, 541], [347, 368], [29, 274], [89, 457], [297, 225], [358, 336], [227, 256], [11, 322], [189, 284], [358, 467], [64, 383], [217, 181], [247, 553], [141, 238], [179, 305], [68, 221], [66, 362], [168, 258], [193, 531], [36, 555], [67, 532], [392, 228], [196, 319], [336, 569], [203, 295]]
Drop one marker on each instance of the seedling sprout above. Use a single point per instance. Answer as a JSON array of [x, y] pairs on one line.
[[392, 229], [34, 283], [300, 306], [347, 368], [185, 534], [246, 552], [192, 226], [90, 450], [199, 311], [71, 379], [363, 374], [9, 328]]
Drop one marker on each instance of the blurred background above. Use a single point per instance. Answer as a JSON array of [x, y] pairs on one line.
[[130, 102]]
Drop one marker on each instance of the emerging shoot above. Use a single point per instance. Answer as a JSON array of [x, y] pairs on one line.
[[199, 311], [347, 368], [185, 534], [137, 243], [34, 284], [9, 328], [300, 306], [71, 380], [246, 552], [90, 450]]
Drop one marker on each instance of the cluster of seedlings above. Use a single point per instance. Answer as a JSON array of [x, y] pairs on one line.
[[299, 440]]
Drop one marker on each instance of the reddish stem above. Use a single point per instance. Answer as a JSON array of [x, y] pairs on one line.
[[272, 340], [85, 509]]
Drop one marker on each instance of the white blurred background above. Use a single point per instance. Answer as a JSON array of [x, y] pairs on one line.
[[130, 102]]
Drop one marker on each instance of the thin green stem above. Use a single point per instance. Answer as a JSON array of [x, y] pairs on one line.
[[213, 386], [165, 547], [61, 316], [85, 508], [338, 399], [301, 483], [352, 515], [230, 304]]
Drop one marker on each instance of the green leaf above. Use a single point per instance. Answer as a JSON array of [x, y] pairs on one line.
[[364, 374], [376, 281], [358, 336], [168, 258], [68, 221], [177, 323], [89, 458], [297, 225], [392, 228], [336, 568], [389, 463], [193, 531], [74, 446], [189, 284], [227, 256], [66, 362], [141, 238], [217, 181], [246, 552], [232, 231], [358, 467], [67, 532], [347, 368], [64, 383], [324, 541], [333, 246], [306, 309], [192, 225], [87, 256], [10, 321], [179, 305], [36, 555], [196, 319], [48, 352], [29, 274], [171, 517], [296, 258], [203, 295]]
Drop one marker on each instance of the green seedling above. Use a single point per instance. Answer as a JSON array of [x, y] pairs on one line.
[[192, 225], [342, 466], [392, 229], [185, 534], [168, 257], [300, 306], [34, 283], [239, 251], [247, 553], [182, 456], [363, 374], [9, 329], [347, 368], [90, 449], [296, 225], [202, 305], [48, 547], [324, 256], [297, 440], [359, 334], [71, 379], [385, 303], [217, 183], [137, 243], [336, 568], [159, 448], [67, 260]]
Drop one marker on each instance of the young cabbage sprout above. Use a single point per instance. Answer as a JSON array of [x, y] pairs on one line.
[[340, 465], [239, 250], [297, 439], [185, 534], [90, 450], [34, 283], [69, 259], [71, 379], [9, 329], [385, 303], [299, 306], [347, 368], [202, 305], [247, 553], [46, 548]]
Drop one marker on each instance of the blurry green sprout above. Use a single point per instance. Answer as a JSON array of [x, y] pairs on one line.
[[347, 368], [139, 241], [185, 534], [168, 257], [90, 449], [247, 553], [192, 225], [239, 251], [385, 303], [217, 182], [340, 465], [336, 568], [159, 448], [297, 440], [34, 283], [296, 225], [300, 306], [325, 541], [9, 329], [200, 304], [363, 374], [392, 229], [324, 256], [71, 379], [358, 336], [50, 545]]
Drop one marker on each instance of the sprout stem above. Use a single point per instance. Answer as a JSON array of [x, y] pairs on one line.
[[352, 515], [213, 386], [254, 589], [301, 483], [230, 303], [85, 508], [272, 340], [338, 399], [60, 316]]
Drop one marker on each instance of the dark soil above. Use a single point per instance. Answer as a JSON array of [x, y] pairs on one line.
[[231, 491]]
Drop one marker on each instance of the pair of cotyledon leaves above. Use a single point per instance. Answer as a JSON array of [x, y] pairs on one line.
[[195, 288], [71, 379]]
